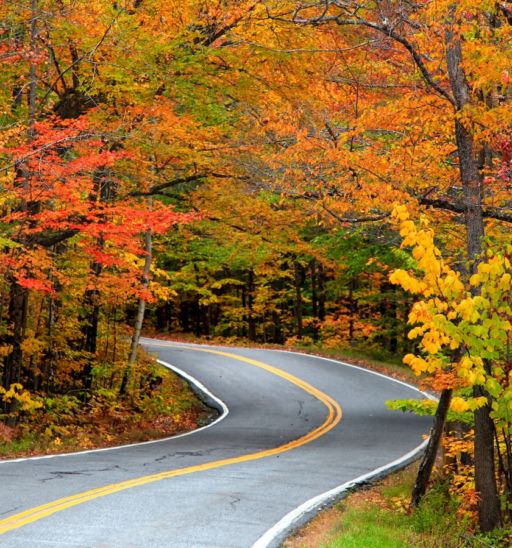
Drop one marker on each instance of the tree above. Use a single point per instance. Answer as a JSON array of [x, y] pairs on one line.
[[439, 47]]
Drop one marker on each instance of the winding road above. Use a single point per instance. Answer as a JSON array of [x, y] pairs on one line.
[[294, 431]]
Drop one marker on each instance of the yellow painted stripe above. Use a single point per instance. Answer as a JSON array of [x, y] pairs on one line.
[[333, 418]]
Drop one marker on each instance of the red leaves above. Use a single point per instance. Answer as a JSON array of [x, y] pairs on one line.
[[43, 286], [67, 183]]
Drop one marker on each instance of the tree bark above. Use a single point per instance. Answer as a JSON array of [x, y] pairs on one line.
[[429, 457], [251, 320], [298, 299], [140, 314], [485, 479]]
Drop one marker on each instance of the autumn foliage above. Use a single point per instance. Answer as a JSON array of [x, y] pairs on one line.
[[242, 168]]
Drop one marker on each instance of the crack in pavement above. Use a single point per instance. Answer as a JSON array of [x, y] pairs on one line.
[[60, 474], [233, 502], [10, 510], [181, 454]]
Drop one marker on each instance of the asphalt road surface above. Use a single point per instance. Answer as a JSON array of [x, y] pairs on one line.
[[283, 441]]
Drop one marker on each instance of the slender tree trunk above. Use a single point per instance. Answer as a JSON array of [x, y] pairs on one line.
[[140, 314], [90, 329], [49, 357], [321, 292], [250, 305], [18, 294], [352, 308], [429, 457], [298, 299]]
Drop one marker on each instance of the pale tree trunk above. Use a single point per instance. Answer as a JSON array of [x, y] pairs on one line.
[[139, 320]]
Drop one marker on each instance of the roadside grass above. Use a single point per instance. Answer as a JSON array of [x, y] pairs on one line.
[[378, 517]]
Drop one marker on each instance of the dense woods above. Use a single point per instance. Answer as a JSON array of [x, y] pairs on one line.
[[330, 173]]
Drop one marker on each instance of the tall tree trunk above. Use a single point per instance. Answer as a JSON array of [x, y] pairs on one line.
[[14, 361], [352, 308], [250, 305], [485, 479], [321, 292], [90, 329], [298, 299], [140, 314], [18, 294]]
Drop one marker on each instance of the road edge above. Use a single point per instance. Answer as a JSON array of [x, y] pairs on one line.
[[300, 516], [196, 386]]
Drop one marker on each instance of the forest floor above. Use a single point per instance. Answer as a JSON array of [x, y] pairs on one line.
[[71, 422]]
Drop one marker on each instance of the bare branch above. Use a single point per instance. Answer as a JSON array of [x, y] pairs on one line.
[[367, 219]]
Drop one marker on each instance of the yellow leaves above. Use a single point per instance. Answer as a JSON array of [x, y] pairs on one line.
[[32, 346], [505, 281], [450, 316], [466, 309], [459, 405], [408, 282], [416, 363], [421, 365], [17, 393], [5, 350], [420, 313], [400, 213]]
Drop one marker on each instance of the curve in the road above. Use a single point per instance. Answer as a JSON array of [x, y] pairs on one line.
[[214, 401], [334, 416]]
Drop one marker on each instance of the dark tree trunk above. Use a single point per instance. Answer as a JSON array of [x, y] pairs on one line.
[[14, 362], [393, 318], [485, 480], [90, 324], [196, 307], [429, 457], [185, 316], [314, 291], [321, 292], [352, 308], [250, 305], [298, 305]]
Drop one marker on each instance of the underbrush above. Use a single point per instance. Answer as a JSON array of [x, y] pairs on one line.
[[157, 404], [379, 517]]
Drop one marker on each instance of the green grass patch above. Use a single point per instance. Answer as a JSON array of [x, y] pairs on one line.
[[388, 524], [379, 517]]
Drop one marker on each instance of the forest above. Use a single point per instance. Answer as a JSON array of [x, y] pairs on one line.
[[334, 174]]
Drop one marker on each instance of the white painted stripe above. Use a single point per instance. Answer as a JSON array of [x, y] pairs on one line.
[[285, 525], [429, 396], [171, 344], [366, 370], [181, 373]]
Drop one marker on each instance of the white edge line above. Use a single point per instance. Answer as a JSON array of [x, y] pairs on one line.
[[169, 343], [192, 380], [291, 520], [367, 370], [286, 524]]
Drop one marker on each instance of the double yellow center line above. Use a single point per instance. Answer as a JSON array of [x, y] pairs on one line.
[[333, 418]]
